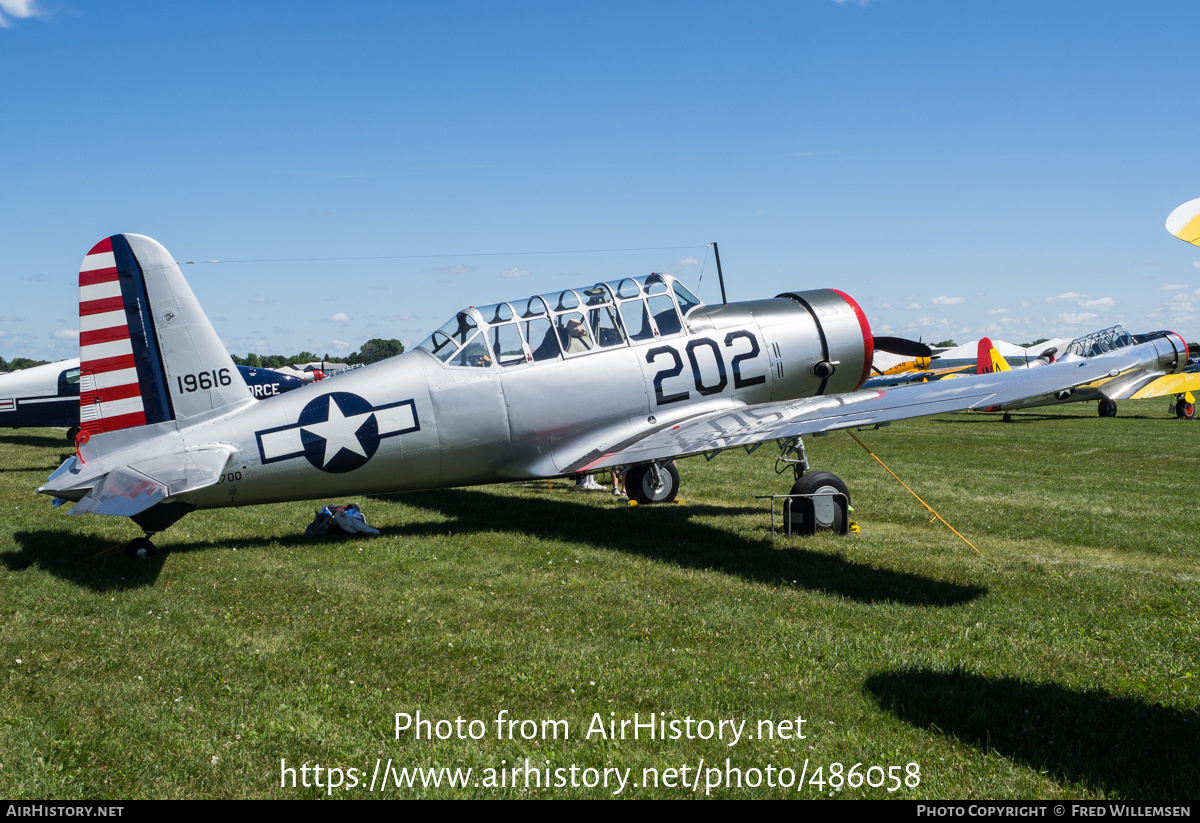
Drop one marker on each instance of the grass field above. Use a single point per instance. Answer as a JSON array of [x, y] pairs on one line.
[[1061, 662]]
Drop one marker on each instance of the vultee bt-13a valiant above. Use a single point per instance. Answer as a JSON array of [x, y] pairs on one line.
[[634, 373]]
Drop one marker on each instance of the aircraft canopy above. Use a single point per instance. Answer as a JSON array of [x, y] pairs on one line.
[[565, 323]]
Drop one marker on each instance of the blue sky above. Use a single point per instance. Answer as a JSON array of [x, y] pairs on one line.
[[960, 168]]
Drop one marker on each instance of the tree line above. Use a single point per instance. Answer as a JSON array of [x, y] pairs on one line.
[[372, 351]]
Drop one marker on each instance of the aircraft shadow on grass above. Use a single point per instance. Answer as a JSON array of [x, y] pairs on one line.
[[666, 533], [1108, 743], [36, 440], [1034, 417], [75, 558], [671, 534]]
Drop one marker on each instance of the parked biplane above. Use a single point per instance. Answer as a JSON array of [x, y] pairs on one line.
[[635, 373]]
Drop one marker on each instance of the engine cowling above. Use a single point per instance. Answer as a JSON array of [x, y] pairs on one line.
[[830, 342]]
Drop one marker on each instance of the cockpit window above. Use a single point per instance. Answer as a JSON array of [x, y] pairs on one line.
[[444, 342], [628, 289], [665, 315], [1100, 342], [506, 346], [687, 300], [499, 313], [637, 320], [573, 333], [474, 354], [72, 376], [543, 342], [565, 323], [562, 301]]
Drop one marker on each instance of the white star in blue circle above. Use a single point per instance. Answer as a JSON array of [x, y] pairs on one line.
[[337, 432]]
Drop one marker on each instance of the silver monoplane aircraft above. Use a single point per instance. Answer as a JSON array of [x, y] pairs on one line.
[[635, 372]]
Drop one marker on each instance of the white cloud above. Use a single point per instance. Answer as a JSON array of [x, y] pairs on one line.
[[1173, 286], [687, 261], [260, 299], [1067, 297], [67, 334], [340, 317], [994, 312], [1179, 308], [1072, 319], [883, 306], [913, 306], [339, 344], [1098, 303], [515, 272], [1196, 264], [928, 322], [16, 9], [459, 269], [948, 301]]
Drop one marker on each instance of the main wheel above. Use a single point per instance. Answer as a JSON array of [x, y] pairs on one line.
[[827, 509], [640, 485], [1108, 408], [139, 547], [1183, 409]]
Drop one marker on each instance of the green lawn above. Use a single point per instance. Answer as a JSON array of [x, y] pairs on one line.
[[1060, 662]]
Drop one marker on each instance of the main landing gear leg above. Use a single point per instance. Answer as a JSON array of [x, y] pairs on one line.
[[820, 501]]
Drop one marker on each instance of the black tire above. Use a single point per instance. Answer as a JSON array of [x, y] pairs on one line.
[[139, 547], [639, 484], [1107, 408], [809, 515], [1184, 410], [1007, 417], [72, 433]]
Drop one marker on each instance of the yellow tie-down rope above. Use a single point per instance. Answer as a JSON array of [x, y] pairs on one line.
[[936, 516]]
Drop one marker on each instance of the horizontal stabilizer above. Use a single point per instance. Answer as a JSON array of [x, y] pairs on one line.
[[130, 490], [123, 492]]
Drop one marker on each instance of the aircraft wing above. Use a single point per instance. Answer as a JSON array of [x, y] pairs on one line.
[[1169, 384], [773, 421]]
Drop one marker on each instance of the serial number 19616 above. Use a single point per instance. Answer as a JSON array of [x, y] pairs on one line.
[[204, 380]]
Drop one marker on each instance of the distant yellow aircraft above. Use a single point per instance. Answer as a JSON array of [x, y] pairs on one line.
[[1184, 222]]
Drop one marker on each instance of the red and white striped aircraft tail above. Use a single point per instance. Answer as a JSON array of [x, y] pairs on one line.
[[148, 354]]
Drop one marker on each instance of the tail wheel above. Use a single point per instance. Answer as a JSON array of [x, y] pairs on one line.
[[1108, 408], [827, 508], [72, 433], [642, 486], [1185, 410]]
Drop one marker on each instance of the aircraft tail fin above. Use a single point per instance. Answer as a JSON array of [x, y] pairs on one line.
[[148, 353], [989, 359]]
